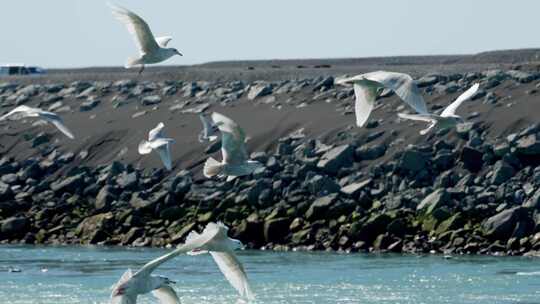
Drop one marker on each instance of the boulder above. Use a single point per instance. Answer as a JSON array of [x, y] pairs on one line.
[[433, 201], [501, 172], [13, 226], [89, 105], [71, 184], [259, 90], [412, 160], [502, 225], [354, 189], [321, 184], [528, 145], [275, 230], [96, 228], [471, 158], [336, 158], [150, 100], [104, 199], [320, 206]]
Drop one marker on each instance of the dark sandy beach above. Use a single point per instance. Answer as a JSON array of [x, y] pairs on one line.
[[331, 185]]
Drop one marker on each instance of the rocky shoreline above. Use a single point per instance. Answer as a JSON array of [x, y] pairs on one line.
[[475, 190]]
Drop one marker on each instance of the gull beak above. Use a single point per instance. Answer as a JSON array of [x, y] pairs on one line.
[[177, 52]]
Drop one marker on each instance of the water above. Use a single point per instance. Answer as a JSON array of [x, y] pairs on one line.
[[85, 274]]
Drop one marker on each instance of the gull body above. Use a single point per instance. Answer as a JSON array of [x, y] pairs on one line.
[[367, 87], [235, 160], [209, 131], [29, 112], [448, 118], [130, 285], [214, 240], [158, 142], [151, 49]]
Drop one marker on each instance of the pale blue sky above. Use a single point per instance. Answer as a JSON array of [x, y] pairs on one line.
[[78, 33]]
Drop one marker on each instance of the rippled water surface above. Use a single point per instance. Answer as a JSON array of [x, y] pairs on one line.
[[58, 275]]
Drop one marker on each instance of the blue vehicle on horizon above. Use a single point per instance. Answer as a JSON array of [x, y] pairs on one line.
[[20, 69]]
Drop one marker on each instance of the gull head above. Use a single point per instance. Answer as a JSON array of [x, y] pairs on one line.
[[176, 52], [160, 281], [236, 244]]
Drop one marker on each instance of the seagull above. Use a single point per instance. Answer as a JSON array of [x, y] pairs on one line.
[[157, 141], [131, 285], [233, 149], [151, 49], [209, 129], [26, 111], [448, 118], [214, 240], [367, 86]]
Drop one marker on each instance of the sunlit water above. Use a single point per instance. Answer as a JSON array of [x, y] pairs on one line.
[[85, 274]]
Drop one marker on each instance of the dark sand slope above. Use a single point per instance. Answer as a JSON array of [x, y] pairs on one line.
[[469, 191]]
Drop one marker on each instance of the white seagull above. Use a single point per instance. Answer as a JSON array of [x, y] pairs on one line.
[[26, 111], [448, 118], [214, 240], [233, 149], [157, 141], [130, 285], [209, 130], [367, 86], [151, 49]]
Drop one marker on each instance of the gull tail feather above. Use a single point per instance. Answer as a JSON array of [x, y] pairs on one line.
[[212, 167]]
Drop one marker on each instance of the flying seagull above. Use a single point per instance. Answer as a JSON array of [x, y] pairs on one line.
[[151, 49], [157, 141], [209, 129], [448, 118], [367, 86], [26, 111], [131, 285], [233, 149], [221, 248]]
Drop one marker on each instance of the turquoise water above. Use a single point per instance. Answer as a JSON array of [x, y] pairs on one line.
[[85, 274]]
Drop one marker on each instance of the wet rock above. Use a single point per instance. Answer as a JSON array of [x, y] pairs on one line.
[[12, 227], [275, 230], [95, 228], [133, 234], [373, 227]]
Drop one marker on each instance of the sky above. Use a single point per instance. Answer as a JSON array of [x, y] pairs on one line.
[[83, 33]]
